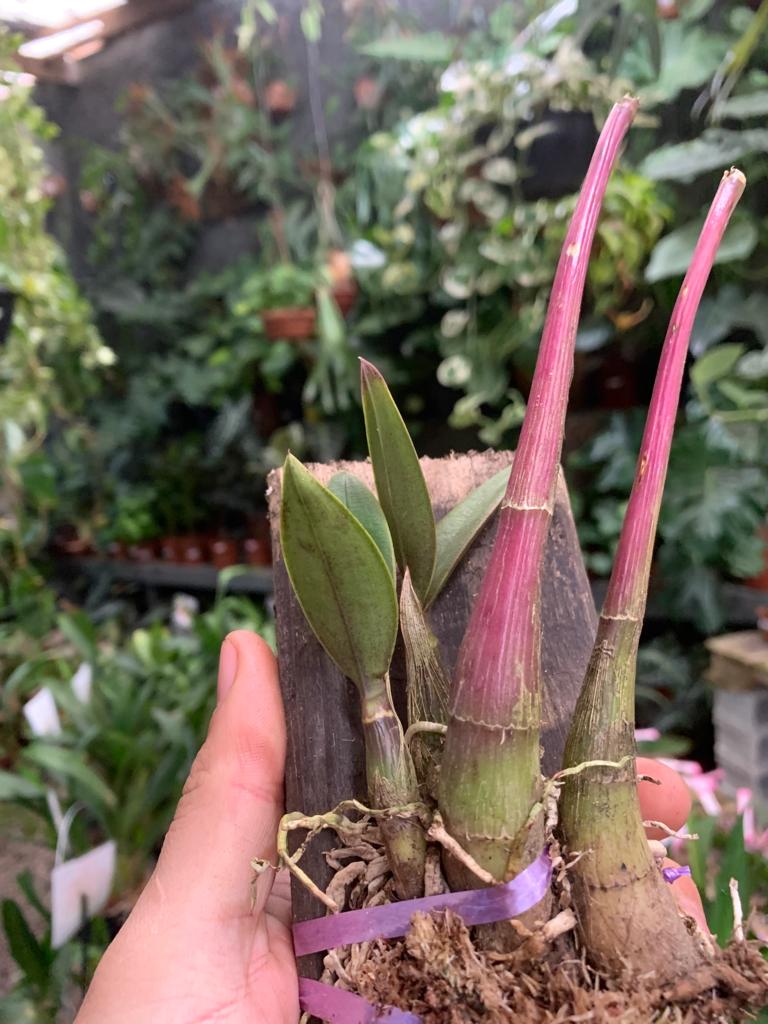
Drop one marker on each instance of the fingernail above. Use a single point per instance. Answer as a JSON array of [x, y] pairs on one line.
[[227, 670]]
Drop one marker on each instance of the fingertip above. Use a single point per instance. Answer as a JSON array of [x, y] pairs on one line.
[[253, 651], [252, 713]]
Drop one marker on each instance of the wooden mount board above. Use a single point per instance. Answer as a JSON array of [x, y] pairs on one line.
[[325, 750], [738, 661]]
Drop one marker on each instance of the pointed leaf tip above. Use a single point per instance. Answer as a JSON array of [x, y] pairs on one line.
[[368, 372], [342, 582], [400, 483]]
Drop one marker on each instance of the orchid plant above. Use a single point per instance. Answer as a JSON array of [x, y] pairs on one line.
[[343, 546]]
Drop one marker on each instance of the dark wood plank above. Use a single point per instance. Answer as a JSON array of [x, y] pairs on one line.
[[325, 753]]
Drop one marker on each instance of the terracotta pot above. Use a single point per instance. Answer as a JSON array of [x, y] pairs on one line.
[[344, 295], [54, 185], [292, 323], [171, 549], [367, 92], [221, 200], [88, 200], [760, 582], [257, 551], [668, 10], [339, 266], [143, 551], [181, 199], [75, 547], [193, 549], [242, 91], [280, 97], [224, 552]]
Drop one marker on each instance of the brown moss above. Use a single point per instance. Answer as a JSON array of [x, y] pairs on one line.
[[440, 971], [437, 972]]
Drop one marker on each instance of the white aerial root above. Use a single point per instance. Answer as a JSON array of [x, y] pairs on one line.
[[437, 834], [669, 831], [337, 821], [738, 913]]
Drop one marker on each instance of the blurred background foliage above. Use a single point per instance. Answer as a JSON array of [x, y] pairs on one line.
[[147, 402], [441, 208]]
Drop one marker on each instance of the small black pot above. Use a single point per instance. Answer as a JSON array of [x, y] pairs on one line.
[[558, 160], [7, 302]]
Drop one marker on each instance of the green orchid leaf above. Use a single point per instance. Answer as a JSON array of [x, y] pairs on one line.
[[362, 503], [458, 528], [71, 763], [26, 882], [400, 482], [341, 580], [79, 630], [31, 957], [16, 787]]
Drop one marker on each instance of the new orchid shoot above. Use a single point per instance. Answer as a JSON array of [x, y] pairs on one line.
[[343, 576], [625, 910], [490, 776]]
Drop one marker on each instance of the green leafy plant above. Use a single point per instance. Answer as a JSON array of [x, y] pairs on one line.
[[282, 286], [50, 980], [670, 696], [125, 752], [716, 498], [462, 226], [720, 855], [53, 359]]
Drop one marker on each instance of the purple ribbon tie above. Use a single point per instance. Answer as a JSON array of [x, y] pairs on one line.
[[340, 1007], [672, 874], [390, 921]]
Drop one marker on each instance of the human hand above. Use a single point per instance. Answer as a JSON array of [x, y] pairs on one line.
[[670, 802], [193, 949]]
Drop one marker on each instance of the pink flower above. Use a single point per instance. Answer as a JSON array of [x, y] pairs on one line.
[[756, 842], [647, 735], [705, 786]]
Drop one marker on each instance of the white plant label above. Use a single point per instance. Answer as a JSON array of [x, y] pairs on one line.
[[42, 714], [85, 879], [54, 807], [82, 682]]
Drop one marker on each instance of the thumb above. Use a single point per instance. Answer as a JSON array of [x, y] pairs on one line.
[[233, 798]]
